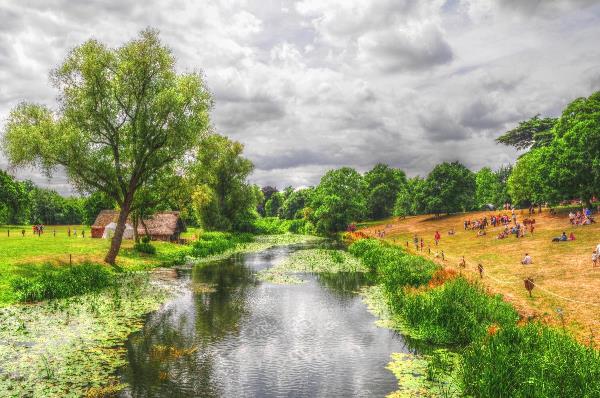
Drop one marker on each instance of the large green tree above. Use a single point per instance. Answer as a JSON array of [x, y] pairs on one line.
[[124, 115], [449, 188], [383, 185], [295, 203], [411, 198], [218, 177], [491, 187], [14, 199], [574, 156], [338, 200]]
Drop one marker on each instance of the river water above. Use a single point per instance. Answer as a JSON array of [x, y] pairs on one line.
[[242, 337]]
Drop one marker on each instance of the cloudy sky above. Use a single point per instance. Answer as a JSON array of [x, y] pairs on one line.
[[312, 85]]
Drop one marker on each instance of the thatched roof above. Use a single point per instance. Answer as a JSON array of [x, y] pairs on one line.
[[105, 217], [165, 223]]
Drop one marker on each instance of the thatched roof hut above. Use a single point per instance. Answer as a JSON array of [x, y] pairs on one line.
[[165, 226]]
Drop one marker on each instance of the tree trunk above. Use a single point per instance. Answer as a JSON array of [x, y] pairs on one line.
[[135, 222], [115, 244]]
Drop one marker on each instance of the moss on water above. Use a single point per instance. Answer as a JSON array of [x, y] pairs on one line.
[[72, 347], [311, 260]]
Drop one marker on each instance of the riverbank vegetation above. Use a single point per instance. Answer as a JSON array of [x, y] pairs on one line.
[[499, 355]]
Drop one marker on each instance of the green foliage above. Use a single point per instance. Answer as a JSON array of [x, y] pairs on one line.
[[338, 200], [219, 190], [295, 203], [449, 188], [271, 226], [383, 185], [529, 180], [567, 165], [273, 205], [211, 243], [531, 361], [457, 312], [144, 246], [14, 200], [491, 187], [410, 199], [532, 133], [64, 281]]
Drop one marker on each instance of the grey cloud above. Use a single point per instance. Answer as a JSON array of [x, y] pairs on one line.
[[395, 50], [439, 125], [401, 82]]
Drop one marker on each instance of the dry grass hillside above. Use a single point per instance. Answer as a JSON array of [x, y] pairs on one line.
[[567, 290]]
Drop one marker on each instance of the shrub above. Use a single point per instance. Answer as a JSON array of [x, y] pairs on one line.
[[271, 226], [145, 246], [457, 312], [211, 243], [531, 361], [59, 282]]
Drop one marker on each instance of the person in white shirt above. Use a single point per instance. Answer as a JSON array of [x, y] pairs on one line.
[[527, 259]]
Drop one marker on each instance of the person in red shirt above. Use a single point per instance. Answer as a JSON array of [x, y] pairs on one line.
[[437, 237]]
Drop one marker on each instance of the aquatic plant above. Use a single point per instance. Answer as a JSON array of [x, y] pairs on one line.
[[72, 346]]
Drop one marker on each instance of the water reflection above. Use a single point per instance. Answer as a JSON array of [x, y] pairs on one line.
[[238, 337]]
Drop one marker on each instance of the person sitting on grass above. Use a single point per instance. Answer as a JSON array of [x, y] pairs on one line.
[[563, 237], [481, 233], [572, 236], [451, 232], [527, 259]]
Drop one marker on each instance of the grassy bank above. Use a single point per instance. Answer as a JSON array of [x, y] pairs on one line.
[[563, 273], [498, 356]]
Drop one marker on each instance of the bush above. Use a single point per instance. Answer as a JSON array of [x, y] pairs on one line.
[[457, 312], [211, 243], [531, 361], [59, 282], [145, 246], [271, 226]]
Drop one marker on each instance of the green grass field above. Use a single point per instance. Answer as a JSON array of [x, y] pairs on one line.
[[27, 255]]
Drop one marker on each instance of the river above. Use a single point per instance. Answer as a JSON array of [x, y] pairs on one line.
[[232, 335]]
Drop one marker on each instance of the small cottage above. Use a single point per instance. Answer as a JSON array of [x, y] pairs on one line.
[[165, 226]]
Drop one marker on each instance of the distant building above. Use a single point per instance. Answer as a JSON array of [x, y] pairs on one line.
[[165, 226]]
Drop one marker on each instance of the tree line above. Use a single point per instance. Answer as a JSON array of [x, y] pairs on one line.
[[560, 162]]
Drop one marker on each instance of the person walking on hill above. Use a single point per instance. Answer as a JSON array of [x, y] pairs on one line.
[[422, 244], [437, 237], [416, 240]]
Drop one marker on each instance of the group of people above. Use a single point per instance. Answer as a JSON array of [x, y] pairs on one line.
[[38, 229], [583, 217], [519, 230], [564, 238]]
